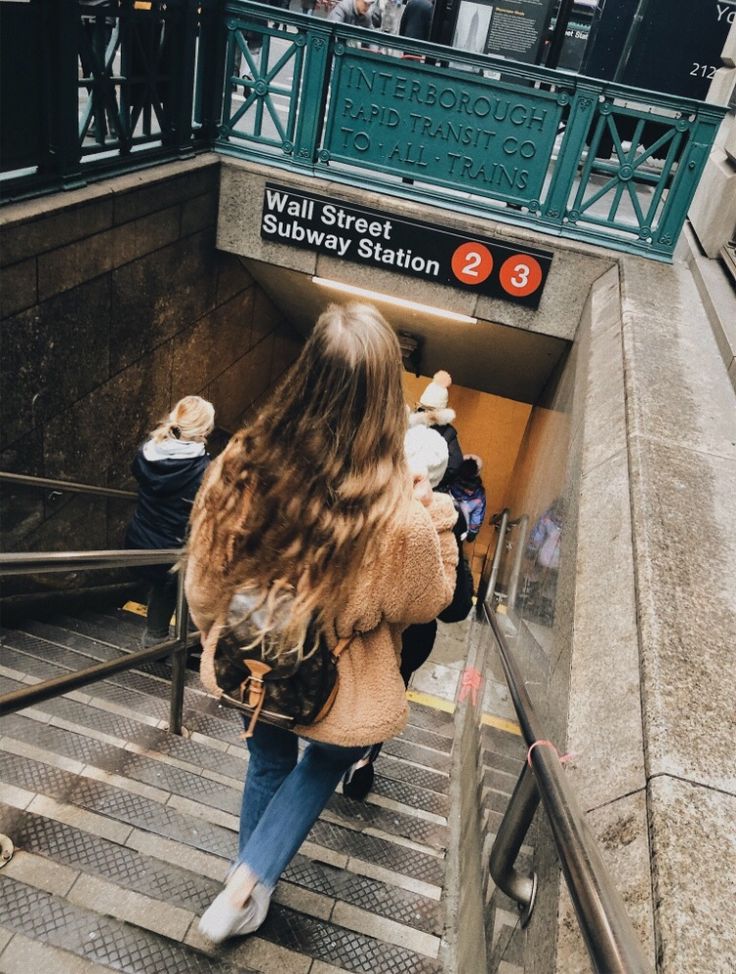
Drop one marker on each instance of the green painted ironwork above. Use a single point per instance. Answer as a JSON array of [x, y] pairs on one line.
[[124, 87], [566, 154]]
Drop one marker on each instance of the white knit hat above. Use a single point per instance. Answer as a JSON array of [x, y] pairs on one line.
[[426, 453], [435, 395]]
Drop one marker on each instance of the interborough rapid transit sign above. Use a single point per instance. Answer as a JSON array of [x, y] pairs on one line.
[[493, 138], [365, 236]]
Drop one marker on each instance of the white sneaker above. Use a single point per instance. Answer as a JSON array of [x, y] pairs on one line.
[[222, 920]]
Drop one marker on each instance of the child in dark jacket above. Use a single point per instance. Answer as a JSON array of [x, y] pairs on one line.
[[169, 468], [469, 494], [432, 411]]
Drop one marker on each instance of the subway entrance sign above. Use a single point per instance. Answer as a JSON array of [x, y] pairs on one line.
[[489, 137], [364, 236]]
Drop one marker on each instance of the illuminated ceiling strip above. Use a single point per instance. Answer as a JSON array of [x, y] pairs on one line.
[[390, 299]]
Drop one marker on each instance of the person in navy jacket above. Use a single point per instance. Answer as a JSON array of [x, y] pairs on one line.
[[169, 468]]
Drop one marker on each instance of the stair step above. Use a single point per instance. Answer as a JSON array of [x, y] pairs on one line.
[[53, 920], [304, 882], [128, 830]]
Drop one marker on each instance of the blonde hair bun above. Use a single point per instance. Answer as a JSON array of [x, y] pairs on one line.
[[192, 419]]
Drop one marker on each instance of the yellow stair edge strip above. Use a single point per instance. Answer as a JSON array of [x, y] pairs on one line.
[[427, 700], [501, 724]]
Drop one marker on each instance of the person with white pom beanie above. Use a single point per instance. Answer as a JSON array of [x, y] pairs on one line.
[[432, 411]]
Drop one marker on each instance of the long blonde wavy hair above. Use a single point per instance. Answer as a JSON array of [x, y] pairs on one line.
[[301, 496]]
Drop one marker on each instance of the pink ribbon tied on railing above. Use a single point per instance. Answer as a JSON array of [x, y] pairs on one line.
[[470, 683]]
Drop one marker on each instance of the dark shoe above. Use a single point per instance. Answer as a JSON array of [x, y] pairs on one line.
[[149, 639], [358, 781]]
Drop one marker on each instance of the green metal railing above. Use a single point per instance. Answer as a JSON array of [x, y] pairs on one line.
[[562, 153], [121, 87], [109, 86]]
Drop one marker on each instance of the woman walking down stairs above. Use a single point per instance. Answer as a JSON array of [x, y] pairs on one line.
[[123, 832]]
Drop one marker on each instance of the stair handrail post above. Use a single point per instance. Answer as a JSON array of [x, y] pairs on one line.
[[521, 528], [491, 568], [508, 842], [179, 658]]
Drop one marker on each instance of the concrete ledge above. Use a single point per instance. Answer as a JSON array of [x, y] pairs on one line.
[[719, 300], [576, 266]]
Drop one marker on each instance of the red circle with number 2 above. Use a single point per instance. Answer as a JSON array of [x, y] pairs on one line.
[[520, 275], [472, 263]]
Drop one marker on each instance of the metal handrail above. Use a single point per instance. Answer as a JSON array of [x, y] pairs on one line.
[[491, 566], [28, 563], [176, 648], [606, 928], [68, 486]]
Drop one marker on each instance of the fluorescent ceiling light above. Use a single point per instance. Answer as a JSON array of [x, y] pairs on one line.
[[362, 292]]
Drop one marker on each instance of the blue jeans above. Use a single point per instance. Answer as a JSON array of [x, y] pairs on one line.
[[283, 797]]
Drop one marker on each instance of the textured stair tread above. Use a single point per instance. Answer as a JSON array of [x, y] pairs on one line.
[[366, 815], [174, 884], [407, 794], [88, 625], [426, 738], [147, 814], [188, 784], [399, 747], [503, 742], [340, 946], [111, 943], [412, 771], [427, 718], [55, 631], [117, 760], [401, 905], [500, 781], [510, 765], [399, 770], [23, 955], [66, 654]]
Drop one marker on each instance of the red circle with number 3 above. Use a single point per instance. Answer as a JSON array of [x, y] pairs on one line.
[[520, 275], [472, 263]]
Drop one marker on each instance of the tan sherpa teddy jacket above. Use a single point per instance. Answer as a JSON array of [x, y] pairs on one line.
[[410, 579]]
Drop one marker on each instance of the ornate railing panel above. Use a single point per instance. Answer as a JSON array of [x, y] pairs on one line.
[[567, 154], [120, 84]]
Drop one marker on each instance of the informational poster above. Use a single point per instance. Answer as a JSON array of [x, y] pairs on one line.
[[361, 235], [509, 28]]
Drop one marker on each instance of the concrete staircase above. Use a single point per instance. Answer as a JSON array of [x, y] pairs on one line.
[[124, 832]]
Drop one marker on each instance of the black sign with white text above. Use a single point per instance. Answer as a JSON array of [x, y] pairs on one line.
[[360, 235]]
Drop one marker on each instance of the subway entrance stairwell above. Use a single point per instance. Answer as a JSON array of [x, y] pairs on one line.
[[187, 187]]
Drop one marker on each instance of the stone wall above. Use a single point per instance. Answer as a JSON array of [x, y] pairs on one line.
[[115, 303]]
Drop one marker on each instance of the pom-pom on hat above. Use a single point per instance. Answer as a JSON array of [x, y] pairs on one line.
[[468, 473], [435, 395], [426, 453]]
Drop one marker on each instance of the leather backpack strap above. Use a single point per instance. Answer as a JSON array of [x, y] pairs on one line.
[[342, 644]]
